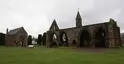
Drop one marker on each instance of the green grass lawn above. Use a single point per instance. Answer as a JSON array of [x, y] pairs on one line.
[[42, 55]]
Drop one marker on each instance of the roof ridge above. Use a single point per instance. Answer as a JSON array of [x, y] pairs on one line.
[[13, 31], [16, 28]]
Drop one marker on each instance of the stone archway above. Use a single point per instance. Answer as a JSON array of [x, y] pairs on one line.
[[100, 38], [85, 39], [64, 39], [54, 40]]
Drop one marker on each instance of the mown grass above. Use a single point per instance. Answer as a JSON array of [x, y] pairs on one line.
[[42, 55]]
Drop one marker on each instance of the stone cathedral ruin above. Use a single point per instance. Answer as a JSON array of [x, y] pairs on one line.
[[105, 34]]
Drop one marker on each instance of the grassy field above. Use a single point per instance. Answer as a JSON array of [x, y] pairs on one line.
[[42, 55]]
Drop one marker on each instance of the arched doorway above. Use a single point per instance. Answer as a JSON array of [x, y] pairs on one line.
[[85, 39], [64, 39], [54, 40], [100, 37]]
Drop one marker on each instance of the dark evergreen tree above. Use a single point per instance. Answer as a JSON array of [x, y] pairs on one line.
[[29, 40], [39, 40], [2, 39], [44, 39]]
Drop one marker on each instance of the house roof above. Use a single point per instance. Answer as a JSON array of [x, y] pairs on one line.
[[14, 31]]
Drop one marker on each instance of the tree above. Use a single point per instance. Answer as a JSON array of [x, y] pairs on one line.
[[2, 39], [44, 39], [39, 40], [29, 40]]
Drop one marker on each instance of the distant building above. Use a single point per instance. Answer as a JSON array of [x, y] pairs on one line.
[[16, 37], [34, 42]]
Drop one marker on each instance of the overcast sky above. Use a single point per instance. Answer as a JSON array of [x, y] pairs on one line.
[[36, 16]]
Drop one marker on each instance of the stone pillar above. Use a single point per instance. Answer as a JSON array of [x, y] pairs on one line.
[[47, 40], [77, 42], [92, 43], [111, 43]]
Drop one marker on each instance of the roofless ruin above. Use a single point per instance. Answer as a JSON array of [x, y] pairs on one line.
[[105, 34]]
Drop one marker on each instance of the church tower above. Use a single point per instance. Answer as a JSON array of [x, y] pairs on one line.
[[78, 20]]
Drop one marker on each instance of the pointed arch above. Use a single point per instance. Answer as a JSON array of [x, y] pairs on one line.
[[54, 40], [100, 37], [63, 39], [85, 38]]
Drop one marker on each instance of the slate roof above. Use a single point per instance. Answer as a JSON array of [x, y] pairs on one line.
[[14, 31]]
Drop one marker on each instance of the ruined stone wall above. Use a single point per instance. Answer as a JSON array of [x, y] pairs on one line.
[[112, 34], [72, 34]]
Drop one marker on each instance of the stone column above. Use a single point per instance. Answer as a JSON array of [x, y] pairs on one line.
[[47, 40], [111, 43], [77, 42], [92, 43]]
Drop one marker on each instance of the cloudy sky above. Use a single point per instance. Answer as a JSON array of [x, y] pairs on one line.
[[36, 16]]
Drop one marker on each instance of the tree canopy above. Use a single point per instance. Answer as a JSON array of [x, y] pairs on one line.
[[44, 38], [29, 40], [39, 40]]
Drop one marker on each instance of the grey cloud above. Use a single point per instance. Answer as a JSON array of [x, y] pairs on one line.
[[92, 11], [37, 15]]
